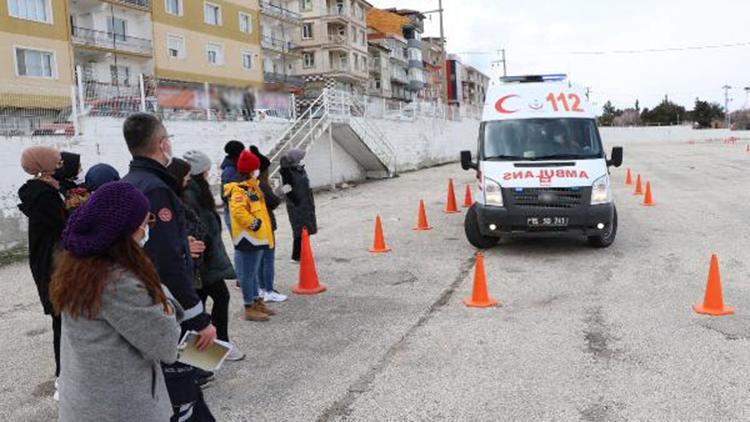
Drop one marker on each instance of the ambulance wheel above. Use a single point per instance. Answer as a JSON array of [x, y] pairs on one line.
[[607, 238], [473, 235]]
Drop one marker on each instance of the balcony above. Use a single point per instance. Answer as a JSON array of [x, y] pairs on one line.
[[399, 75], [277, 45], [278, 78], [339, 14], [111, 41], [336, 41], [136, 4], [278, 12]]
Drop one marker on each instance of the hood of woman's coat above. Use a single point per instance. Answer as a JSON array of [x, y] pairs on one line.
[[292, 158]]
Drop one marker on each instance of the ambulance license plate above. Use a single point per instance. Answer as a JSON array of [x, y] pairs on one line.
[[547, 221]]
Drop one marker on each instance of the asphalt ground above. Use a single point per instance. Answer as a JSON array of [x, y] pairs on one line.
[[581, 333]]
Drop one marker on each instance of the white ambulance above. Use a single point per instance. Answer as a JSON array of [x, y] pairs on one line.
[[540, 165]]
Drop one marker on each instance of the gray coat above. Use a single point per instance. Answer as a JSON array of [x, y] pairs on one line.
[[110, 364]]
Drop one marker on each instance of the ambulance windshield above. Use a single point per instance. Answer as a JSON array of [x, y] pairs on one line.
[[541, 139]]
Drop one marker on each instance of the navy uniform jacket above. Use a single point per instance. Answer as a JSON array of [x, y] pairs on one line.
[[168, 247]]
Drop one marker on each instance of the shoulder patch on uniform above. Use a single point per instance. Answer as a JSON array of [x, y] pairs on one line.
[[165, 215]]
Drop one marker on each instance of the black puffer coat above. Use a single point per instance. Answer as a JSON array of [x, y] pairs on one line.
[[300, 204], [216, 265], [43, 205]]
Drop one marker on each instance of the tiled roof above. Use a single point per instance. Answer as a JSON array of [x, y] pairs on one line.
[[386, 22]]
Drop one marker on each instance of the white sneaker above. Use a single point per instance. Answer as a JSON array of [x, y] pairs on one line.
[[274, 296], [235, 354]]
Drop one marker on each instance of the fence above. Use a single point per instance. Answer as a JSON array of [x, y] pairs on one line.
[[33, 110], [390, 109]]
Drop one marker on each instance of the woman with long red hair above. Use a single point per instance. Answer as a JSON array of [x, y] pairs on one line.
[[118, 321]]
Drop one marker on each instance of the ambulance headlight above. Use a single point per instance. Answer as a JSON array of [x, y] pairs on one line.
[[601, 193], [493, 193]]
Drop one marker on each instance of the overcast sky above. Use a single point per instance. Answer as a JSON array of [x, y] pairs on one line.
[[537, 33]]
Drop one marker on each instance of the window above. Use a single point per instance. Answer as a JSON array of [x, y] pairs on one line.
[[215, 54], [247, 60], [356, 61], [364, 64], [307, 31], [211, 14], [246, 23], [173, 7], [120, 75], [308, 59], [362, 37], [306, 5], [117, 28], [358, 12], [175, 47], [35, 63], [33, 10]]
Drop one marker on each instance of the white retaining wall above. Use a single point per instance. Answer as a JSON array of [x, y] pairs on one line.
[[418, 144]]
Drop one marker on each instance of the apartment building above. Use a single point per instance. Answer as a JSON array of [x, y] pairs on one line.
[[332, 42], [112, 45], [400, 31], [380, 70], [433, 55], [474, 85], [35, 55], [280, 21], [216, 41], [396, 63]]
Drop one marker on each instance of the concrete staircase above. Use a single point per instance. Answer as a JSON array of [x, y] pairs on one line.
[[339, 115]]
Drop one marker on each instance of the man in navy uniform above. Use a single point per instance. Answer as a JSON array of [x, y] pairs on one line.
[[169, 249]]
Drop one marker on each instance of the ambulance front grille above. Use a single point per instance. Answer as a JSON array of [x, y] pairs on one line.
[[547, 197]]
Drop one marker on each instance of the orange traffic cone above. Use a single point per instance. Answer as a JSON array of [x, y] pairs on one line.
[[648, 201], [468, 202], [713, 303], [422, 224], [308, 276], [638, 186], [479, 296], [450, 206], [629, 178], [379, 246]]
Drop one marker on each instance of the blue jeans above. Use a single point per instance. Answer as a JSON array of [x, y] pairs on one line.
[[247, 265], [267, 270]]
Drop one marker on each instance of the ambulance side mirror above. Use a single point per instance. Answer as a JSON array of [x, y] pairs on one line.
[[616, 157], [466, 162]]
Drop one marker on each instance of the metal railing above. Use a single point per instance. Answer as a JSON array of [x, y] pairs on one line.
[[337, 39], [274, 10], [338, 11], [276, 44], [303, 130], [141, 4], [273, 77], [111, 40]]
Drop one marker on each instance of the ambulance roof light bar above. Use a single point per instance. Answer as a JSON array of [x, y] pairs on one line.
[[555, 77]]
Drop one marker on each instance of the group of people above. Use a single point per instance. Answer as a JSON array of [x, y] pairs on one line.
[[125, 266]]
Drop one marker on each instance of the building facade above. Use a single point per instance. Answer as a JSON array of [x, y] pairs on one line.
[[433, 55], [380, 70], [475, 84], [332, 43], [280, 21], [36, 58], [400, 31], [112, 45], [215, 41]]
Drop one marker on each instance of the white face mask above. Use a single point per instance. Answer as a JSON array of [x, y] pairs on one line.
[[255, 174], [144, 239]]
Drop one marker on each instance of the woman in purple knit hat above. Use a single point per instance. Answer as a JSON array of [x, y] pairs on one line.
[[118, 321]]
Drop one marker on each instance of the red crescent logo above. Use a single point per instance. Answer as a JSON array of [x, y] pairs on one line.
[[499, 104]]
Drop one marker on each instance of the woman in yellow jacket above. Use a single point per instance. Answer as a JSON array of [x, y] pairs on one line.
[[252, 232]]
